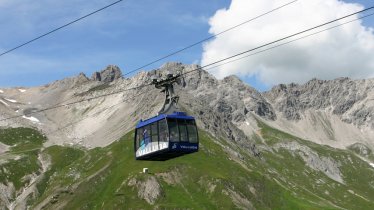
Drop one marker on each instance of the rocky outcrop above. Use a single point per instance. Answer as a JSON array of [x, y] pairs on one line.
[[107, 75], [81, 78], [219, 105], [326, 165], [252, 99], [7, 192], [362, 150], [351, 100], [148, 189]]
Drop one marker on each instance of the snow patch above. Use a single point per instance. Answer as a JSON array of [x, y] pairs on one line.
[[366, 160], [3, 149], [1, 91], [11, 100], [22, 90], [32, 119], [372, 164], [354, 193], [246, 122], [4, 102]]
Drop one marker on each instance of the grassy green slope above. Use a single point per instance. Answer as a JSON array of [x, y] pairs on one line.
[[220, 176], [357, 190], [204, 180], [22, 157]]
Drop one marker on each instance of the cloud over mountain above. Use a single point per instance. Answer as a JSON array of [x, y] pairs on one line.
[[343, 51]]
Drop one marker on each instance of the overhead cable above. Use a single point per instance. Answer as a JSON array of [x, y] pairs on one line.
[[288, 42], [279, 40], [210, 37], [58, 28], [79, 101], [199, 68], [107, 108]]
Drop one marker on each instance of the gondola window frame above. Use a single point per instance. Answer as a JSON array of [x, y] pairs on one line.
[[177, 139], [153, 135], [165, 130], [182, 126], [139, 137], [191, 126]]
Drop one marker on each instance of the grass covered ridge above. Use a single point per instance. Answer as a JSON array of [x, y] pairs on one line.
[[22, 159], [208, 179], [220, 176]]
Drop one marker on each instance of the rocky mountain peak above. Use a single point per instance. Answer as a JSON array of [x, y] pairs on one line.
[[284, 88], [343, 97], [342, 79], [107, 75], [232, 80], [81, 78], [172, 66]]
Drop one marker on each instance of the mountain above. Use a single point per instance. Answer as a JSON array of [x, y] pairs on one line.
[[296, 146], [338, 113]]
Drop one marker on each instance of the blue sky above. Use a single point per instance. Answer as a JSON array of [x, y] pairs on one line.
[[128, 34], [366, 4]]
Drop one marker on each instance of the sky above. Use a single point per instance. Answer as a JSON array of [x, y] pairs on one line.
[[135, 32]]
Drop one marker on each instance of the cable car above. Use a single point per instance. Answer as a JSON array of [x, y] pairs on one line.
[[169, 134]]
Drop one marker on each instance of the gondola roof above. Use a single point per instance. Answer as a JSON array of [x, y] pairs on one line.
[[175, 115]]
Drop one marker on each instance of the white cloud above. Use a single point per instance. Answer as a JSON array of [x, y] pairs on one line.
[[344, 51]]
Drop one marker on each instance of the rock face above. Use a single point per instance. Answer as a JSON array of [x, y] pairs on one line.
[[351, 100], [326, 165], [107, 75], [338, 112], [149, 189], [81, 78], [7, 192]]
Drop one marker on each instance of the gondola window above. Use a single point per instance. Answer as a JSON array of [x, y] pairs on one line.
[[173, 129]]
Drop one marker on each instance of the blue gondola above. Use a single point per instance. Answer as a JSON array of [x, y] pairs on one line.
[[169, 134]]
